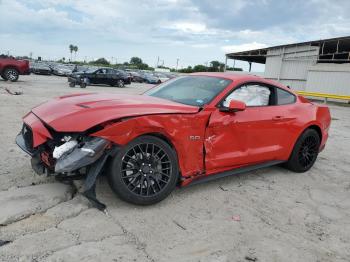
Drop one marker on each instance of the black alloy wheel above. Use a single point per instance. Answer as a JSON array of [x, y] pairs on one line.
[[308, 151], [305, 151], [145, 171]]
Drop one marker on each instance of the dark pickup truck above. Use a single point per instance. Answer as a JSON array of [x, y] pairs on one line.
[[107, 76], [11, 68]]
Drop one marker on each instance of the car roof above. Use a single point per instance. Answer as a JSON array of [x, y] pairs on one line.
[[231, 76], [242, 77]]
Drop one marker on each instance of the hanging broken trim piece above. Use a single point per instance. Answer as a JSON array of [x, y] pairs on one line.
[[67, 156]]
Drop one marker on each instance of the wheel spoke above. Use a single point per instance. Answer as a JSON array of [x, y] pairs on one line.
[[146, 169], [163, 180], [308, 151], [164, 174], [148, 186]]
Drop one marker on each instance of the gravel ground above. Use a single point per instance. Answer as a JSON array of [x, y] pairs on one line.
[[267, 215]]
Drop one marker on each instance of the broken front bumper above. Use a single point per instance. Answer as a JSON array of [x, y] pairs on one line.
[[81, 156], [24, 140], [85, 158]]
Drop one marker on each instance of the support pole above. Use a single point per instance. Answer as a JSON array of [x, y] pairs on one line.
[[225, 63], [250, 66]]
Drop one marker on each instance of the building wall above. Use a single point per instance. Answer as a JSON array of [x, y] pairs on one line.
[[329, 78], [290, 65]]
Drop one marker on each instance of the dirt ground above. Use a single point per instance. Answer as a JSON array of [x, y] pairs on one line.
[[267, 215]]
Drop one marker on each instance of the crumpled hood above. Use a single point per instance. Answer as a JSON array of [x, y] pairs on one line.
[[79, 112]]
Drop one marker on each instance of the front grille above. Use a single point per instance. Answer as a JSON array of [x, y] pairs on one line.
[[27, 136]]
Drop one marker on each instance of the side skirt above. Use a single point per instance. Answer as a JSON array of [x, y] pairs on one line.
[[205, 178]]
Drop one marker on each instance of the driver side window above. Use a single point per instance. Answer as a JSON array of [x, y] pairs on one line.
[[101, 71], [251, 95]]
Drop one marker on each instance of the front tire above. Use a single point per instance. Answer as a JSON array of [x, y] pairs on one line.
[[11, 74], [144, 172], [305, 152]]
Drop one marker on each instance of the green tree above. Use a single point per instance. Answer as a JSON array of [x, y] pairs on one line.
[[100, 61], [75, 49], [216, 66], [200, 68], [71, 49], [135, 61]]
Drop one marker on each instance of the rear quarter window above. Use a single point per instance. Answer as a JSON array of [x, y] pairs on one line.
[[284, 97]]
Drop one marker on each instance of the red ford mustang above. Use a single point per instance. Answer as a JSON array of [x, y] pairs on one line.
[[190, 129]]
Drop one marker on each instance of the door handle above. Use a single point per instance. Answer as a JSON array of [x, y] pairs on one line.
[[276, 118]]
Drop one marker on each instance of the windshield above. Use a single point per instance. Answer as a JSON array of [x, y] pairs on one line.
[[190, 90]]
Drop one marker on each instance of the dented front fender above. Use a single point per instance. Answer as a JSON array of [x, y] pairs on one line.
[[185, 133]]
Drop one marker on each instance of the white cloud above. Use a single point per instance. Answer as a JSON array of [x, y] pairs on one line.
[[192, 30], [188, 27], [242, 47]]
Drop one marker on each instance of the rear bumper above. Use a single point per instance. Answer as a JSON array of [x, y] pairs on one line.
[[128, 81], [324, 141], [41, 72], [26, 72]]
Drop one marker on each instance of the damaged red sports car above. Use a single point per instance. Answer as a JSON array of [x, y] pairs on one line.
[[189, 129]]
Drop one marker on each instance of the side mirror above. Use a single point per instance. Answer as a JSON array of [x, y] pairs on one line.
[[235, 106]]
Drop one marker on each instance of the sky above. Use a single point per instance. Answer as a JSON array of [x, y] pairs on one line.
[[193, 31]]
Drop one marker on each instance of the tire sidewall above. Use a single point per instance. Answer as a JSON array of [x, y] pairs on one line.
[[15, 71], [293, 162], [120, 188]]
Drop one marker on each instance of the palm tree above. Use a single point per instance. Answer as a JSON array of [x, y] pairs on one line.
[[71, 49], [75, 52]]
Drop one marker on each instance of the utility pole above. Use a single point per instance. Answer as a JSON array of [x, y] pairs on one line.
[[157, 62], [177, 63]]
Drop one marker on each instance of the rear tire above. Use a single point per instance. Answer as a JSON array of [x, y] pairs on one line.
[[11, 74], [144, 172], [305, 152], [120, 83]]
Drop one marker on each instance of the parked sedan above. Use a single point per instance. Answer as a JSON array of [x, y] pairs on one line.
[[150, 79], [107, 76], [62, 70], [189, 129], [136, 77], [40, 69], [162, 77]]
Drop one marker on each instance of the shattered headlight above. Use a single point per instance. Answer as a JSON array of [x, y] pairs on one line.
[[73, 155]]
